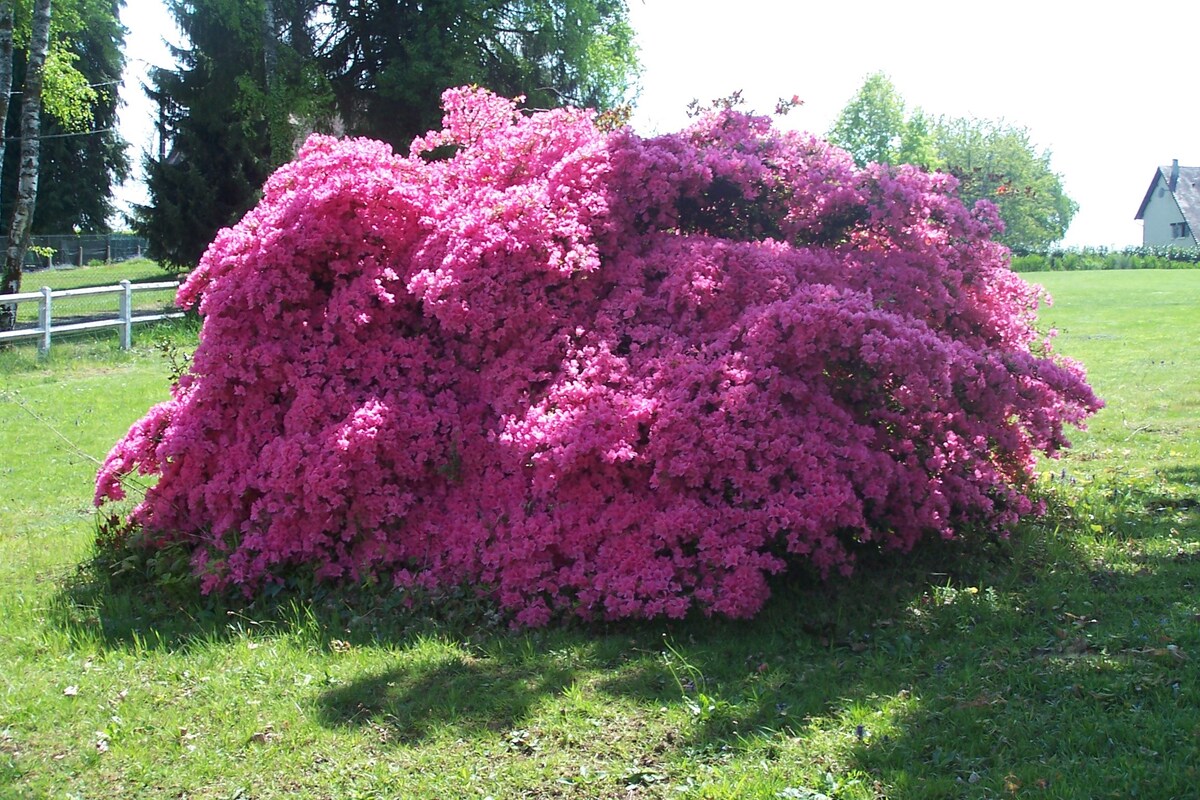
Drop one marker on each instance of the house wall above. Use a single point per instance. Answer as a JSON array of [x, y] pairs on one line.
[[1160, 213]]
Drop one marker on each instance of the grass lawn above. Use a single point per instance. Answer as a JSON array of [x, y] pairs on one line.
[[137, 270], [1061, 663]]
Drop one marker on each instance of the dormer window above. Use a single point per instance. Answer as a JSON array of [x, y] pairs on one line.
[[1180, 230]]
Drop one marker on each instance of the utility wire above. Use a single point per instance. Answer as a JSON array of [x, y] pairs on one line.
[[90, 86], [62, 135]]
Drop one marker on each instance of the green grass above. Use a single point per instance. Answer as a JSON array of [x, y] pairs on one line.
[[1061, 663], [135, 270], [1138, 331], [138, 270]]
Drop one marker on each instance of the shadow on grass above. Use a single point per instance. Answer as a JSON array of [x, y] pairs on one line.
[[472, 695], [1061, 658], [1062, 668], [1186, 479]]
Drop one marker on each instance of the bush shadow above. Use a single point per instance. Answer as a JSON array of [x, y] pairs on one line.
[[474, 696], [930, 673]]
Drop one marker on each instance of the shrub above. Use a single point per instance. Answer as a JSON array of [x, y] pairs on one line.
[[589, 373], [1099, 258]]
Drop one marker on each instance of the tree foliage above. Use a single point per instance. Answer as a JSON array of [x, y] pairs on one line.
[[267, 71], [60, 175], [388, 62], [27, 177], [590, 374], [224, 122], [998, 162], [993, 161], [83, 157], [871, 126]]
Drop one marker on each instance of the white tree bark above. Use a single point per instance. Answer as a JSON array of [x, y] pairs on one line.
[[6, 54], [31, 131]]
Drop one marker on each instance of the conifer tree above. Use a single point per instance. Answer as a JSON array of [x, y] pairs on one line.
[[214, 128], [260, 74]]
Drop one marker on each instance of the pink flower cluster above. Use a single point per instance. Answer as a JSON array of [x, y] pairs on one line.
[[595, 374]]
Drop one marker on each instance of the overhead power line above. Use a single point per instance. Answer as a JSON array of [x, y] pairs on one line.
[[62, 135]]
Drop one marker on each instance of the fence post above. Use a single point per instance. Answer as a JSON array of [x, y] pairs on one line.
[[80, 262], [44, 317], [126, 315]]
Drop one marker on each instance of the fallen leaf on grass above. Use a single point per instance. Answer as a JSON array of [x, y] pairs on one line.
[[984, 700], [265, 736], [1078, 646], [1170, 651], [71, 691]]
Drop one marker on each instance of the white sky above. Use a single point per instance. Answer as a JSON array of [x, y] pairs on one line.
[[1109, 92]]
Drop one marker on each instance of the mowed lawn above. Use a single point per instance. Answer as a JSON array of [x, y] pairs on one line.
[[1063, 662], [136, 271]]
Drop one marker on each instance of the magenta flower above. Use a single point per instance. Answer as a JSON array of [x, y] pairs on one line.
[[594, 374]]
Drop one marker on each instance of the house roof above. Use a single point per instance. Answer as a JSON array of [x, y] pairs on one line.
[[1187, 193]]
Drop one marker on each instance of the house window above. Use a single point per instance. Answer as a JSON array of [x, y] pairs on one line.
[[1180, 230]]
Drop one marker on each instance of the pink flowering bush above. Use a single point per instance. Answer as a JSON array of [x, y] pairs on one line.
[[595, 374]]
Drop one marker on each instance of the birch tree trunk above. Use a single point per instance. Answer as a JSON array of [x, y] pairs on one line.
[[27, 183], [6, 66]]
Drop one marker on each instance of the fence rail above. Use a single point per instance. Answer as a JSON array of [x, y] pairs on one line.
[[125, 317]]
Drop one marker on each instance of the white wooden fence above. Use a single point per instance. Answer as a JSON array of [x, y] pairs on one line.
[[124, 319]]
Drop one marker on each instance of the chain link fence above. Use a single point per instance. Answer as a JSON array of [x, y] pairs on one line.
[[77, 250], [75, 308], [90, 299], [46, 312]]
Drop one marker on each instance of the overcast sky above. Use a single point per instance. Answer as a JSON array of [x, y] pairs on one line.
[[1109, 92]]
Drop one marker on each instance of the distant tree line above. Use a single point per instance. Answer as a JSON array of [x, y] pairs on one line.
[[256, 76], [1072, 259], [992, 160]]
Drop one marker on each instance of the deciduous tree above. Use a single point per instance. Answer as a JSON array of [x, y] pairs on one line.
[[993, 161], [31, 109], [998, 162], [60, 176], [871, 126], [83, 156], [389, 61]]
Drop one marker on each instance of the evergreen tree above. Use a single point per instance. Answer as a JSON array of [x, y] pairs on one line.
[[259, 73], [389, 61], [214, 127]]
